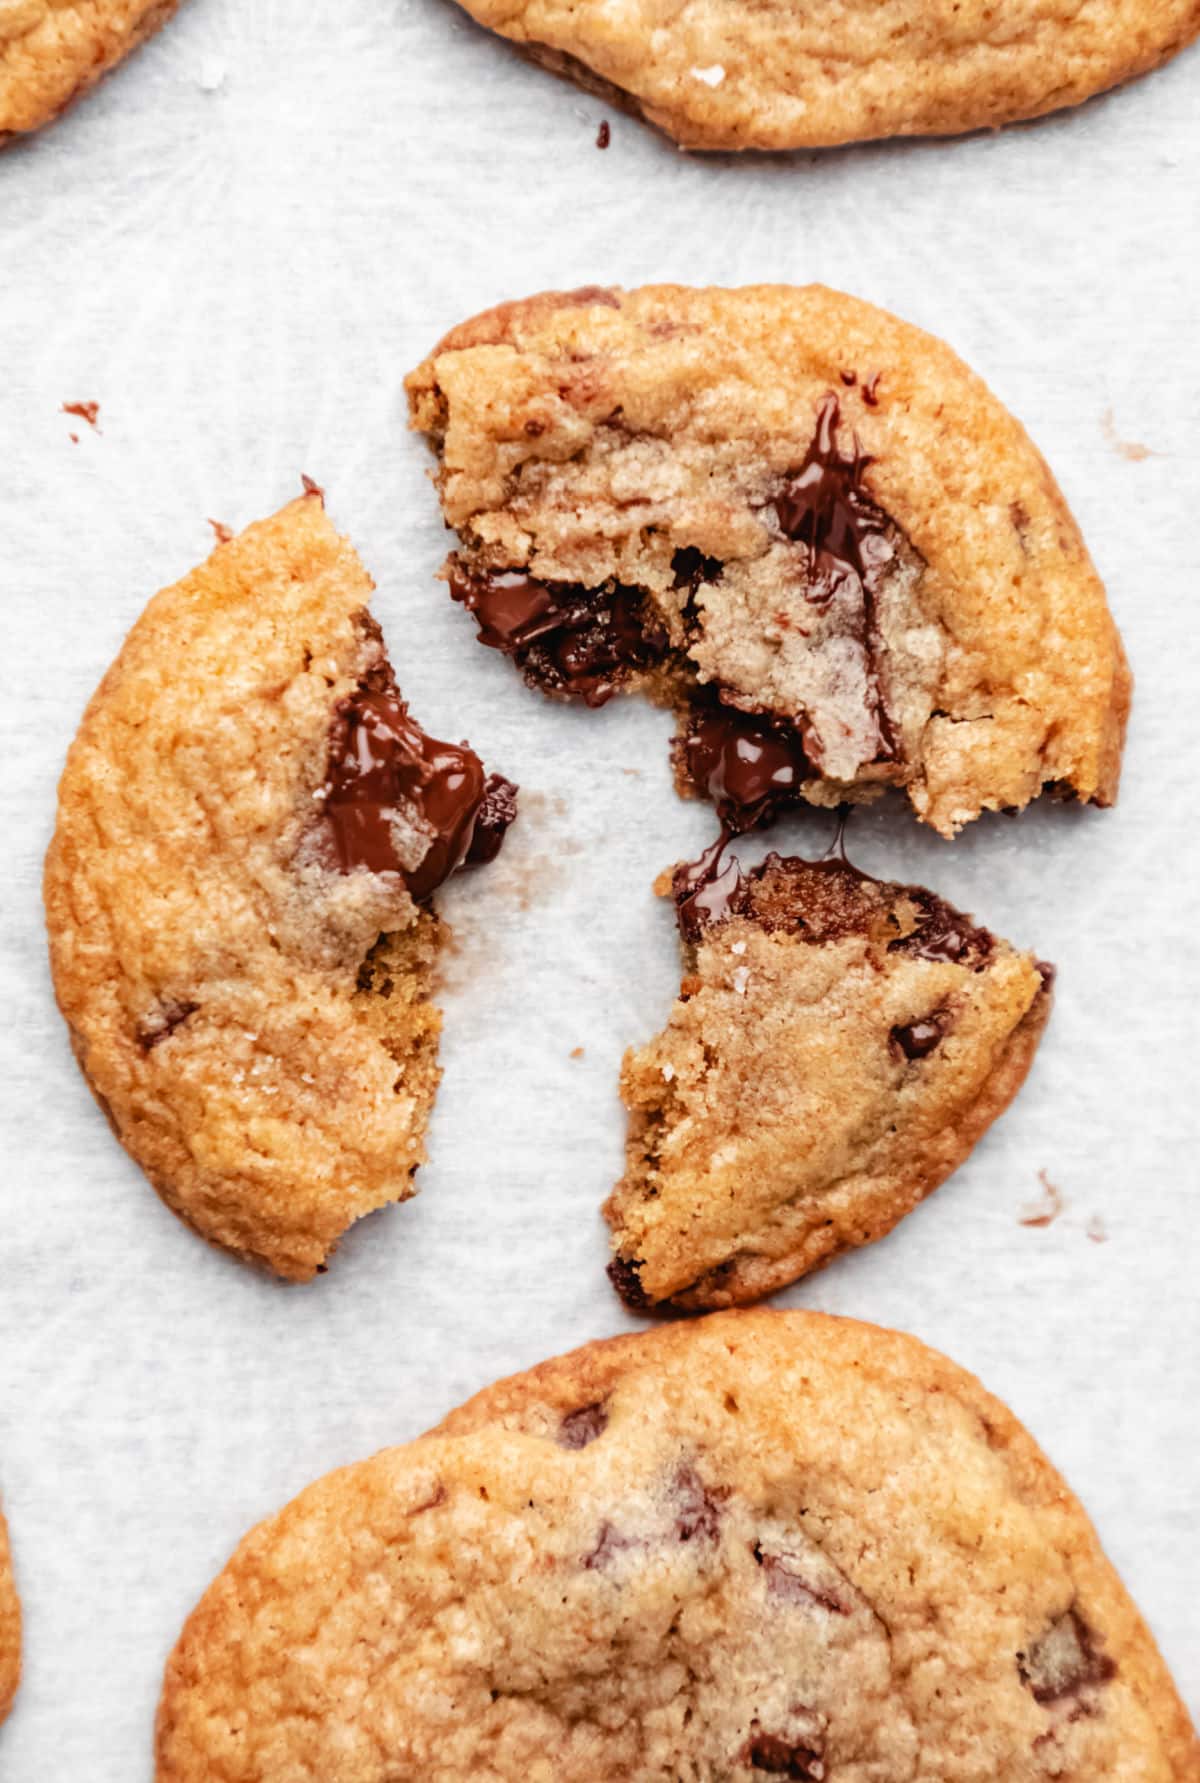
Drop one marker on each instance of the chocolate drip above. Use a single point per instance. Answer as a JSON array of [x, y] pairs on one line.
[[748, 765], [825, 508], [383, 768], [705, 891], [944, 934], [572, 642]]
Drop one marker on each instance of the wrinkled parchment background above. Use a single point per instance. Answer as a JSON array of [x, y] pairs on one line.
[[237, 248]]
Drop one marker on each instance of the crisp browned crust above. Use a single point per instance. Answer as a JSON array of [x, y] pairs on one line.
[[53, 51], [10, 1627], [777, 1122], [785, 76], [589, 437], [211, 963], [759, 1531]]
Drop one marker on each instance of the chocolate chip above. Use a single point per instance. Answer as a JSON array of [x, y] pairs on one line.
[[160, 1025], [579, 1428], [698, 1509], [382, 765], [916, 1040], [603, 134], [1064, 1660], [572, 642], [746, 764], [785, 1582], [691, 567], [623, 1273], [768, 1752]]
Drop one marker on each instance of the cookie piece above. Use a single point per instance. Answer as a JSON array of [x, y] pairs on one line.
[[52, 51], [757, 1542], [786, 76], [250, 826], [10, 1627], [838, 1047], [802, 522]]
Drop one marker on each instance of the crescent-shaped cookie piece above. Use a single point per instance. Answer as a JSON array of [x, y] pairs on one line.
[[790, 74], [10, 1627], [760, 1542], [838, 1047], [52, 51], [250, 825], [801, 521]]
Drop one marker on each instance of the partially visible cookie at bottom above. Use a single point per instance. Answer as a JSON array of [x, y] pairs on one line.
[[759, 1542], [251, 827], [53, 51], [838, 1046], [10, 1627]]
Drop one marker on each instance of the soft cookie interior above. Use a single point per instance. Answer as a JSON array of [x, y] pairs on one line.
[[838, 1046], [803, 524]]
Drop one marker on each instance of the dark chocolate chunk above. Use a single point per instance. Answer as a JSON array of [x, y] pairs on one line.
[[1064, 1660], [786, 1582], [603, 134], [691, 567], [916, 1040], [623, 1273], [698, 1510], [383, 766], [770, 1752], [609, 1543], [579, 1428], [572, 642], [747, 765], [160, 1025], [945, 934]]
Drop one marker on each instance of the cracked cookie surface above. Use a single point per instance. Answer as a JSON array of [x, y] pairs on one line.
[[787, 509], [838, 1047], [759, 1542], [52, 51], [10, 1626], [781, 75], [249, 827]]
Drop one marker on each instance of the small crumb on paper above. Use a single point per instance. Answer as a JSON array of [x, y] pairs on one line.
[[576, 1052], [604, 134], [1047, 1211], [87, 411], [1131, 449], [224, 533]]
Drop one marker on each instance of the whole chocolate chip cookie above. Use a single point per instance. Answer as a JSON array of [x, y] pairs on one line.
[[800, 521], [757, 1542], [250, 827], [715, 75], [10, 1627], [838, 1047], [52, 51]]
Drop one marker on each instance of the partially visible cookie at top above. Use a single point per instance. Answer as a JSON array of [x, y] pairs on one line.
[[784, 75], [10, 1627], [52, 51], [760, 1543], [250, 828], [838, 1047], [803, 523]]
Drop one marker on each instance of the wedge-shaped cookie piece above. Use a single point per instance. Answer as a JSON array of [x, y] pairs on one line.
[[838, 1046], [52, 51], [10, 1627], [758, 1542], [250, 826], [786, 75], [802, 522]]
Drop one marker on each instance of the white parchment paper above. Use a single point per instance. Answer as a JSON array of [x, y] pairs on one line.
[[237, 247]]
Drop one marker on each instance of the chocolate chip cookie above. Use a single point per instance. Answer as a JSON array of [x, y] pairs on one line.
[[801, 522], [10, 1627], [52, 51], [784, 76], [838, 1047], [756, 1542], [250, 827]]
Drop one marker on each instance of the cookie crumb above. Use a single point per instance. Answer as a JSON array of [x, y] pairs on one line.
[[87, 411], [1096, 1230], [604, 134], [224, 533], [576, 1052], [1050, 1208], [211, 77], [712, 77], [1131, 449]]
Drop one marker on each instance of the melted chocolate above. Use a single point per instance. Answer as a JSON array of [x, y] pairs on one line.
[[825, 508], [705, 891], [383, 767], [944, 934], [747, 765], [572, 642], [579, 1428], [916, 1040], [690, 568], [782, 1758]]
